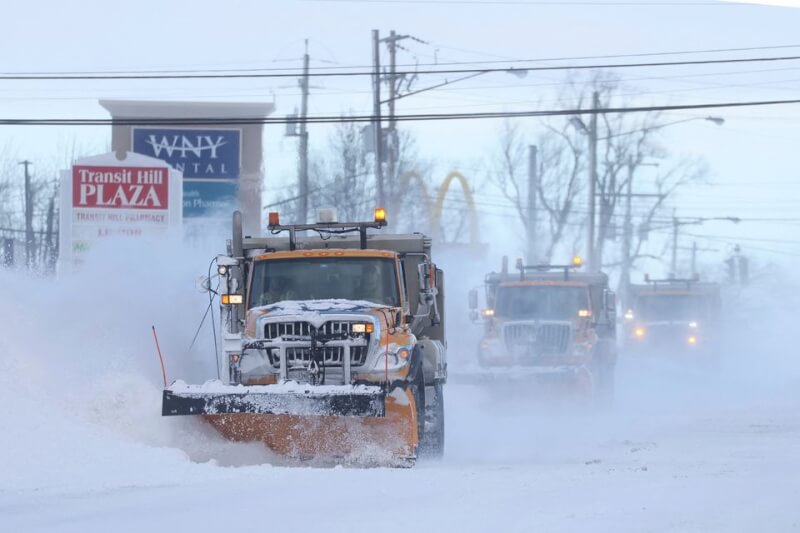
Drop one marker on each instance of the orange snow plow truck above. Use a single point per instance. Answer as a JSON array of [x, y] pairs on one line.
[[333, 344], [549, 325]]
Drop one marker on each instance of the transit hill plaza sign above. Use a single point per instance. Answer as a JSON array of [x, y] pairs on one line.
[[120, 187], [110, 196]]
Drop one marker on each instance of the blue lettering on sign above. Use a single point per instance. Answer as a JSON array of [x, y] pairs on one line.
[[209, 198], [204, 154]]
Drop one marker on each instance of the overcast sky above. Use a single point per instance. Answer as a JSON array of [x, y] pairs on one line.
[[752, 156]]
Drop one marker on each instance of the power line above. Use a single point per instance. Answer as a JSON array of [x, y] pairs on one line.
[[262, 73], [534, 3], [406, 65], [332, 119]]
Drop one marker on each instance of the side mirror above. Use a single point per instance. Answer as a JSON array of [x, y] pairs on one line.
[[424, 277], [203, 284], [426, 273], [610, 302], [473, 299]]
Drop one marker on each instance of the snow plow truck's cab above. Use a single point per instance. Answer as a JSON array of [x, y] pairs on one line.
[[672, 317], [332, 345], [550, 323]]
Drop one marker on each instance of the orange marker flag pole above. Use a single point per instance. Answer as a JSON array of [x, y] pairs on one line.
[[160, 357]]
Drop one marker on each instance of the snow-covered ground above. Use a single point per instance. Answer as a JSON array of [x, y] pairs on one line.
[[83, 448]]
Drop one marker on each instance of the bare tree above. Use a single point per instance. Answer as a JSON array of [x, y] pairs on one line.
[[44, 190], [343, 179], [626, 142], [560, 167]]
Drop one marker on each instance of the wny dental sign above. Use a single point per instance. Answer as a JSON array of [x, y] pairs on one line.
[[198, 153], [116, 195]]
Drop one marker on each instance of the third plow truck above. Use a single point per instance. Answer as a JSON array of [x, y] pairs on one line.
[[333, 344]]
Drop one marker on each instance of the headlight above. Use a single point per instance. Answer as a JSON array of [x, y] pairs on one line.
[[692, 340], [232, 299], [639, 332], [364, 328], [693, 325], [398, 356]]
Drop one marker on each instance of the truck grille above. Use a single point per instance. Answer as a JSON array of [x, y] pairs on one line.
[[332, 356], [299, 332], [274, 330], [544, 339]]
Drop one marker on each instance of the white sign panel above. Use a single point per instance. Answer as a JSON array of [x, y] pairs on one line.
[[104, 196]]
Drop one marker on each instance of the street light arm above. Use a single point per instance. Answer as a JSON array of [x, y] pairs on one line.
[[719, 121], [700, 220], [432, 87]]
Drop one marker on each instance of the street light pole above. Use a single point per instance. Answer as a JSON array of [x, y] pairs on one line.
[[28, 216], [376, 121], [533, 187], [590, 248], [674, 263], [304, 141], [677, 223]]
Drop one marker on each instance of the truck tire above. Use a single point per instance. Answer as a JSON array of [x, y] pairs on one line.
[[417, 385], [432, 442], [418, 391]]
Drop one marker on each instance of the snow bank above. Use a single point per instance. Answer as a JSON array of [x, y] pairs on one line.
[[80, 379]]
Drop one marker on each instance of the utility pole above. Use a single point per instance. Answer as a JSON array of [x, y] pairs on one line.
[[592, 182], [695, 250], [627, 234], [303, 165], [533, 187], [677, 223], [50, 255], [674, 262], [28, 216], [391, 134], [376, 119]]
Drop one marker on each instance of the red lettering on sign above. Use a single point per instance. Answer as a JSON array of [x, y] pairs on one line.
[[120, 187]]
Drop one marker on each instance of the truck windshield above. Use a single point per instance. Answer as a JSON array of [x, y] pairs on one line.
[[541, 302], [371, 279], [672, 307]]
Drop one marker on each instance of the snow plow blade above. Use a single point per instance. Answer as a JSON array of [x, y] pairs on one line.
[[347, 401]]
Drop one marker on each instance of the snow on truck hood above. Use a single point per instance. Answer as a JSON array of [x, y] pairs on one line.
[[314, 311], [318, 307]]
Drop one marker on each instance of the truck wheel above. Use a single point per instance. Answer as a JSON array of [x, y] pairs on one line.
[[418, 391], [432, 443]]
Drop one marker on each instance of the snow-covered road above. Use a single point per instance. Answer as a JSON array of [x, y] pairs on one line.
[[83, 448], [644, 466]]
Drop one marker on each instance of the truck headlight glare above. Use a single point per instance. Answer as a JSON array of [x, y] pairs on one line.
[[363, 328], [232, 299]]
